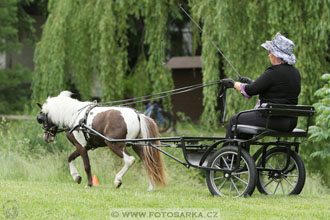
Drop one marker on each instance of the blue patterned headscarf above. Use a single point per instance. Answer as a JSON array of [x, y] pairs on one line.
[[281, 47]]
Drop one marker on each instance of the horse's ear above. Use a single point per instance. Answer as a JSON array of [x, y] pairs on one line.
[[40, 106]]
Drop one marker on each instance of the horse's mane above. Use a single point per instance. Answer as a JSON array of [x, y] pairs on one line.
[[62, 109]]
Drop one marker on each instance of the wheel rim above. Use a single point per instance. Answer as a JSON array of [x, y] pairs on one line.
[[279, 182], [233, 184]]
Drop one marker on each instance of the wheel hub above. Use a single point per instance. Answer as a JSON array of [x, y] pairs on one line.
[[276, 176], [227, 175]]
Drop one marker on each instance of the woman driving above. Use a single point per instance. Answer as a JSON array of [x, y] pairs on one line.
[[280, 84]]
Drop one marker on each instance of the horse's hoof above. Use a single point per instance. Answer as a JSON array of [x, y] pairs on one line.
[[151, 189], [118, 185], [78, 179]]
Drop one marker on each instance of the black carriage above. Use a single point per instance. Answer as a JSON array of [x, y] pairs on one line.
[[275, 167]]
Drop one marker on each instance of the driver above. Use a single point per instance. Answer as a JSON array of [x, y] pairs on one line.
[[280, 84]]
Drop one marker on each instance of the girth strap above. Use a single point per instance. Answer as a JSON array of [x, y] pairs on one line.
[[84, 121]]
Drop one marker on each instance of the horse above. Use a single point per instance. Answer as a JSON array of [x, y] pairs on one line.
[[111, 122]]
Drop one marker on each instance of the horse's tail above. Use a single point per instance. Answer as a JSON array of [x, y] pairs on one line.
[[153, 158]]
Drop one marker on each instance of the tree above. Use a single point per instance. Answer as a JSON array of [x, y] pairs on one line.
[[321, 132], [240, 27], [8, 31], [84, 40], [16, 25]]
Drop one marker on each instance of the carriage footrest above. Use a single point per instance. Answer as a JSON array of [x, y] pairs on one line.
[[255, 130], [194, 157]]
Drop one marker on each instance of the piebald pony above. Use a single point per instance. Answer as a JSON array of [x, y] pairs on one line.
[[112, 122]]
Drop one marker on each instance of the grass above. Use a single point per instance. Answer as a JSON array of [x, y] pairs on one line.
[[35, 184], [46, 200]]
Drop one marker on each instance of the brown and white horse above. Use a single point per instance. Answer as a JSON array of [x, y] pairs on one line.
[[112, 122]]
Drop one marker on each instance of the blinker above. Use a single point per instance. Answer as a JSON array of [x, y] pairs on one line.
[[41, 118]]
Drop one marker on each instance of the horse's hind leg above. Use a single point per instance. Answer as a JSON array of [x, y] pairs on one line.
[[73, 171], [120, 150], [139, 151]]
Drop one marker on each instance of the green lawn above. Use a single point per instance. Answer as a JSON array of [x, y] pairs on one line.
[[46, 200], [36, 184]]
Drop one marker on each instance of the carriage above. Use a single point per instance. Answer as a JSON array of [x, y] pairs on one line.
[[272, 170], [269, 160]]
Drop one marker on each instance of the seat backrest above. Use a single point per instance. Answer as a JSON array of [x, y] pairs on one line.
[[288, 110]]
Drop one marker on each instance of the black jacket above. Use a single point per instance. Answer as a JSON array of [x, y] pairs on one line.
[[278, 84]]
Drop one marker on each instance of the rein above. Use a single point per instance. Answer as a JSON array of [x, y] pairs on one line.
[[160, 95], [53, 130], [222, 98]]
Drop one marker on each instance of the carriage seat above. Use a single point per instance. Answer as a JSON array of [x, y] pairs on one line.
[[271, 109], [255, 130]]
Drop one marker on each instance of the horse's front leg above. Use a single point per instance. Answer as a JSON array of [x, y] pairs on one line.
[[77, 139], [84, 155], [73, 171]]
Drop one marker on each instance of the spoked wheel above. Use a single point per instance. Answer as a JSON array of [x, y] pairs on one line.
[[290, 181], [231, 183]]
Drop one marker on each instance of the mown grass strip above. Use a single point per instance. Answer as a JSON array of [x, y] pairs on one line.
[[44, 200]]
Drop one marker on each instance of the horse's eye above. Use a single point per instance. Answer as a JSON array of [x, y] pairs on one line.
[[41, 118]]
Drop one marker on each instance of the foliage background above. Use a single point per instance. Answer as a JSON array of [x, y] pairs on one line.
[[84, 40], [16, 26], [240, 27], [116, 49], [321, 133]]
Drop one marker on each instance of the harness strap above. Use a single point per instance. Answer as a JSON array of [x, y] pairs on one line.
[[84, 121], [138, 115]]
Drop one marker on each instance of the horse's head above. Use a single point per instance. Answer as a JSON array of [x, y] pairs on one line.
[[50, 129]]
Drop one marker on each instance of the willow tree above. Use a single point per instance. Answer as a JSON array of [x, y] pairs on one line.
[[210, 18], [88, 39], [239, 28]]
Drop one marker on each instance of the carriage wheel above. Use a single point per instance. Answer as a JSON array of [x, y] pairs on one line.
[[227, 183], [290, 181]]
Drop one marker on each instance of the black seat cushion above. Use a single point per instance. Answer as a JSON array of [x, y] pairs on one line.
[[255, 130]]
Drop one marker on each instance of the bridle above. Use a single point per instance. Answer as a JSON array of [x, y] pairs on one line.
[[48, 128]]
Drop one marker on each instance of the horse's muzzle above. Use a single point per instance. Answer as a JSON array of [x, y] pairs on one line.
[[48, 137]]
